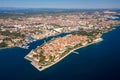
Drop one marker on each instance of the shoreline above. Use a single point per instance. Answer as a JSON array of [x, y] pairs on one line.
[[58, 34], [5, 48], [45, 67]]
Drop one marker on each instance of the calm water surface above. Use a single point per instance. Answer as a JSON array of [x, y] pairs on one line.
[[100, 61]]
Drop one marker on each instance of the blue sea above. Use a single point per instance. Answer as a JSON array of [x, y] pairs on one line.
[[99, 61]]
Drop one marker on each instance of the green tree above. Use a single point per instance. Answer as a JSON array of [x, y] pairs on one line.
[[3, 44]]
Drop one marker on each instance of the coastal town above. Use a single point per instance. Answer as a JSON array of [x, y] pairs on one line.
[[52, 52], [59, 39], [84, 28], [18, 30], [55, 50]]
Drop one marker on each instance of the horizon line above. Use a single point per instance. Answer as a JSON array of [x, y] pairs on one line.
[[54, 8]]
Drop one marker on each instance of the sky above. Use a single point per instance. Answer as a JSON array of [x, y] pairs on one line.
[[61, 3]]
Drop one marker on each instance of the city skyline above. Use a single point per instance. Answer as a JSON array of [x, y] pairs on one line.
[[60, 4]]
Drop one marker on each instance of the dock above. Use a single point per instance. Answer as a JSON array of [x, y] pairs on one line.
[[76, 52]]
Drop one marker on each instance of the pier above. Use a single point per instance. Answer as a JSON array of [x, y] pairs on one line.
[[76, 52]]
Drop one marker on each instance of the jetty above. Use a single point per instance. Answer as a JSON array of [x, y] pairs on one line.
[[75, 52]]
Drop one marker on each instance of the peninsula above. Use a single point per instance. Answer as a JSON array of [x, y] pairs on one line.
[[55, 50]]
